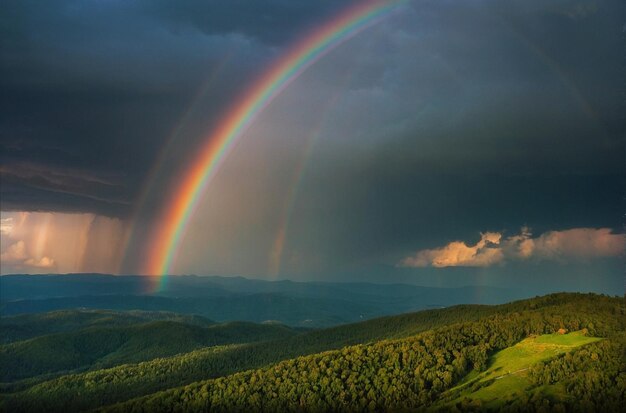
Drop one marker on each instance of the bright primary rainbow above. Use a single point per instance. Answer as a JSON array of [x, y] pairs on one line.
[[163, 249]]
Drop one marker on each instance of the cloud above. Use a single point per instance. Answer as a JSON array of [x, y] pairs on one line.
[[82, 92], [15, 253], [43, 262], [421, 113], [521, 245], [6, 225], [571, 244], [582, 243], [76, 184], [65, 242], [457, 253], [17, 256], [274, 21]]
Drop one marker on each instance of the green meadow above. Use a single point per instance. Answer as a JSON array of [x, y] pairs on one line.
[[506, 377]]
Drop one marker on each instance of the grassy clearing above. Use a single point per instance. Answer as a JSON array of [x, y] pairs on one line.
[[574, 339], [506, 376]]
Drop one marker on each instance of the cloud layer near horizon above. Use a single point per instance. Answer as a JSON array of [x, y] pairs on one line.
[[493, 248], [36, 242]]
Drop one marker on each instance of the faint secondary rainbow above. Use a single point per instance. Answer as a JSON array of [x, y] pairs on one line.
[[151, 181], [176, 216], [278, 247]]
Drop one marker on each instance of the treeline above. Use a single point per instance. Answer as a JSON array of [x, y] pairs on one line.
[[593, 376], [27, 326], [111, 385], [110, 346], [386, 376]]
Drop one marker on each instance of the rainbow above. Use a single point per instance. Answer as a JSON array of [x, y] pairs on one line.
[[304, 54]]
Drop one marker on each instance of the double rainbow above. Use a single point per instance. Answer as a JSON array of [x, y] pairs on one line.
[[304, 54]]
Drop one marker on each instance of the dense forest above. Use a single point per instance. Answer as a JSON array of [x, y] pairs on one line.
[[406, 362], [109, 346], [25, 326], [131, 380]]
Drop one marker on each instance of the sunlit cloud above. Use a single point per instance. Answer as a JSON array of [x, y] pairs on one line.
[[581, 243], [14, 254], [34, 242], [43, 262], [457, 253], [6, 225], [571, 244]]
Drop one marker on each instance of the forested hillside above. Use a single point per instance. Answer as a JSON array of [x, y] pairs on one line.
[[127, 381], [407, 373], [408, 361], [25, 326], [101, 347]]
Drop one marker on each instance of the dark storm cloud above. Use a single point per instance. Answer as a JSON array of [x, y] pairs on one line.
[[98, 87], [457, 117], [273, 21], [61, 142], [373, 216], [495, 118], [25, 185]]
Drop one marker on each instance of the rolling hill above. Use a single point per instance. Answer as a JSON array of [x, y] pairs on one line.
[[438, 360], [409, 373], [100, 347], [27, 326], [507, 376]]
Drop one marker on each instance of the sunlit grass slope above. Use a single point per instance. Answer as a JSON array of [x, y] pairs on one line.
[[506, 378]]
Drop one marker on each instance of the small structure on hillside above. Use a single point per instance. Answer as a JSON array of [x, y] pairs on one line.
[[562, 331]]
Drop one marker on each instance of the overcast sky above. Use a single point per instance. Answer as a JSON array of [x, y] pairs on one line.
[[453, 143]]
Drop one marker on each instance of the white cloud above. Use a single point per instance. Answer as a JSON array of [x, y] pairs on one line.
[[6, 225], [15, 253], [571, 244]]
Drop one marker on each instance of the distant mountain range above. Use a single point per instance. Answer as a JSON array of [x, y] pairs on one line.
[[306, 304]]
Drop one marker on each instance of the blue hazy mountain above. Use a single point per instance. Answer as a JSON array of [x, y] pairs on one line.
[[310, 304]]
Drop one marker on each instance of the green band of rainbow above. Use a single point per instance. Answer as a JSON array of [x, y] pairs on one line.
[[193, 183]]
